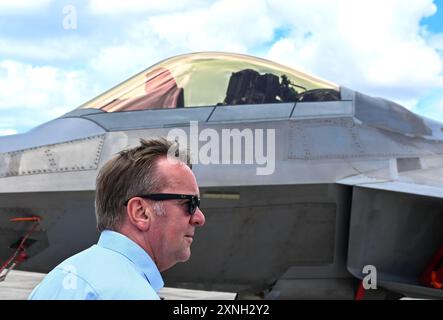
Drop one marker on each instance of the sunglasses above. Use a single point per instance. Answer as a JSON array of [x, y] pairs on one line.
[[193, 203]]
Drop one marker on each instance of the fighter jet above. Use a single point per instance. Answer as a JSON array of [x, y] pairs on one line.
[[351, 185]]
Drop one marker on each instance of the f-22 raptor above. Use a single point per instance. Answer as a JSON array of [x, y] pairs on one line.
[[356, 182]]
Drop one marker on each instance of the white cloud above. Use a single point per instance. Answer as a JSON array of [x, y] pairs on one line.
[[46, 90], [22, 6], [436, 41], [377, 47], [137, 6], [7, 132], [227, 25], [373, 46], [219, 27], [61, 49]]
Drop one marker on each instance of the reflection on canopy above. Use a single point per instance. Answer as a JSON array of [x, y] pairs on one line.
[[208, 79], [160, 89]]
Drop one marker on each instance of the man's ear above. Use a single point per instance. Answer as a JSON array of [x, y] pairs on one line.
[[139, 214]]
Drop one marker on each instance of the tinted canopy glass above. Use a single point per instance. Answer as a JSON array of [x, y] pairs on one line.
[[208, 79]]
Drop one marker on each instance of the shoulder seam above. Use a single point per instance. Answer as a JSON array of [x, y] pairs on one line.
[[80, 277]]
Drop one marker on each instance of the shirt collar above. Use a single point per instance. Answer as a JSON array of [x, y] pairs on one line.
[[120, 243]]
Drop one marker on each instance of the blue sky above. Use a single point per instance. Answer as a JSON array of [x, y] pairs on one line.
[[435, 22], [392, 49]]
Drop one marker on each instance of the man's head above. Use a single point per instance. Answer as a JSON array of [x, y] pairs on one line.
[[164, 228]]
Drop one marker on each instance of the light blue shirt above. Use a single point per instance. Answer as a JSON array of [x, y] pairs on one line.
[[115, 268]]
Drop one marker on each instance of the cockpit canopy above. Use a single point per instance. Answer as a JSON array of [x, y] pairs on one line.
[[209, 79]]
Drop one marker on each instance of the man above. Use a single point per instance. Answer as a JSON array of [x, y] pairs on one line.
[[147, 211]]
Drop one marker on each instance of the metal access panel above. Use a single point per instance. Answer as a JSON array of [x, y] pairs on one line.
[[397, 233], [255, 235], [71, 218]]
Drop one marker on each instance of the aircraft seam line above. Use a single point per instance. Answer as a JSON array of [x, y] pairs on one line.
[[210, 115]]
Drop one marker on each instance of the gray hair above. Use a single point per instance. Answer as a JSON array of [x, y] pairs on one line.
[[131, 172]]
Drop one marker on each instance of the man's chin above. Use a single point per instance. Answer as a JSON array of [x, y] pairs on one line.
[[186, 254], [182, 257]]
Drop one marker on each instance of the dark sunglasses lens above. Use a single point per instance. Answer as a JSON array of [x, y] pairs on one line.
[[193, 204], [192, 207]]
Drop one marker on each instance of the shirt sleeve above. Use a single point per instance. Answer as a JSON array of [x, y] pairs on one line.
[[61, 285]]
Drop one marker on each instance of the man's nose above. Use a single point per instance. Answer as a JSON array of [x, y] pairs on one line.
[[198, 218]]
